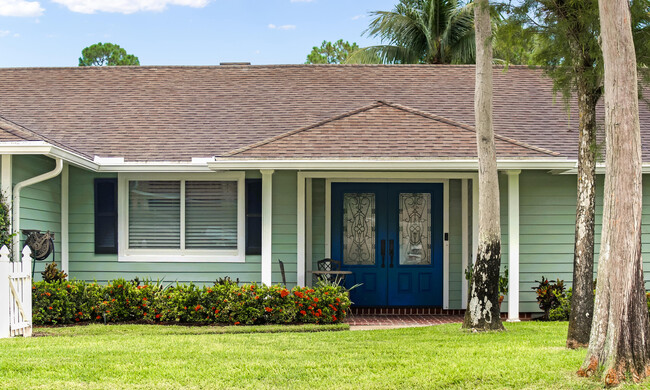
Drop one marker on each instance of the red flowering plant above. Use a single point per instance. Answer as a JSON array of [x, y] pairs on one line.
[[244, 305], [279, 307], [53, 303], [129, 301], [327, 303], [180, 303]]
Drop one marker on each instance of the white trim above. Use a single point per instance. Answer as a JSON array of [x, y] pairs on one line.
[[309, 221], [300, 213], [177, 255], [475, 196], [389, 164], [328, 218], [445, 261], [6, 185], [108, 160], [465, 239], [267, 226], [65, 207], [513, 245], [389, 176]]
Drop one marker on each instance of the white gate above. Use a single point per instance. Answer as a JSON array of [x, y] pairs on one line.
[[15, 294]]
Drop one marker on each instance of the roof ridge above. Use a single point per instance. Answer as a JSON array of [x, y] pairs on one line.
[[470, 128], [18, 127], [302, 129]]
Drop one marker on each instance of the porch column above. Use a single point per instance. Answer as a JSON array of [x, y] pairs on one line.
[[6, 185], [513, 245], [64, 219], [267, 215], [300, 212]]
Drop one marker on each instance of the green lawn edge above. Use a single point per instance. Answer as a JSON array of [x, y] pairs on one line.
[[130, 329]]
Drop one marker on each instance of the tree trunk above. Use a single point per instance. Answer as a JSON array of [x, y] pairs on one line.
[[620, 333], [582, 300], [483, 301]]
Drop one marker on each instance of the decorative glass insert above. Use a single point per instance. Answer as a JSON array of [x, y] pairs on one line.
[[415, 228], [359, 228]]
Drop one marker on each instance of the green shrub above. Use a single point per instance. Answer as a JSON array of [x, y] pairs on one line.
[[548, 295], [561, 313], [64, 302]]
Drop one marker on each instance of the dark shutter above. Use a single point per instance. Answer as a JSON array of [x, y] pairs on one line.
[[106, 215], [253, 216]]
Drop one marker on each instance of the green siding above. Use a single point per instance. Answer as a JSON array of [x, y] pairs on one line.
[[85, 264], [285, 232], [40, 204]]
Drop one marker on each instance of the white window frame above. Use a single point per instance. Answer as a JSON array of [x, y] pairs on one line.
[[127, 254]]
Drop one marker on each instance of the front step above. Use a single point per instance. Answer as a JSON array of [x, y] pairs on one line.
[[418, 311]]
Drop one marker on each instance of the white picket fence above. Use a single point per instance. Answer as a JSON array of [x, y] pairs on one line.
[[15, 294]]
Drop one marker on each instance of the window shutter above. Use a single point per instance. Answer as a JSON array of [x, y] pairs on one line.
[[253, 216], [154, 214], [106, 215], [211, 215]]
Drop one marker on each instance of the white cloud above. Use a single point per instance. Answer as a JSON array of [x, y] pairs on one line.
[[126, 6], [357, 17], [302, 1], [283, 27], [4, 33], [20, 8]]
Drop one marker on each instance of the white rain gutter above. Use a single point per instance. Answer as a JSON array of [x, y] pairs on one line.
[[16, 200]]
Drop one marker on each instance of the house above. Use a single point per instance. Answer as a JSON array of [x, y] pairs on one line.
[[196, 173]]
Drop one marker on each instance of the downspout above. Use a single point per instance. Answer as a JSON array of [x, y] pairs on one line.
[[16, 200]]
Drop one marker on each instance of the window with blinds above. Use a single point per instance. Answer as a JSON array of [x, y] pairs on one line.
[[190, 215]]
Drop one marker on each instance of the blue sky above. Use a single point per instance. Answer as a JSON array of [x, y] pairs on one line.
[[179, 32]]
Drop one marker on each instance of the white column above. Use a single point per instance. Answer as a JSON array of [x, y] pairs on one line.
[[300, 212], [513, 246], [474, 218], [64, 219], [267, 232], [310, 222], [465, 248]]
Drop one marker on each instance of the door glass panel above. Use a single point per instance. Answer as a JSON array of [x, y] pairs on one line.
[[415, 228], [359, 228]]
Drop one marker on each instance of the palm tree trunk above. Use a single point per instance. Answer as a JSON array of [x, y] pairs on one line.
[[620, 335], [582, 300], [483, 301]]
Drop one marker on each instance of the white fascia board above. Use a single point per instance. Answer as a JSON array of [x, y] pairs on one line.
[[47, 149], [388, 164], [600, 169], [155, 167]]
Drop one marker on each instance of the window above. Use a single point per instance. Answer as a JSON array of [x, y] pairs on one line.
[[190, 217]]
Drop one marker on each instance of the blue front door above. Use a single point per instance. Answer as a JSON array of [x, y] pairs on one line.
[[390, 236]]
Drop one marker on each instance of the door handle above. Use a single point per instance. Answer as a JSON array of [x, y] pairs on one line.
[[391, 251], [383, 253]]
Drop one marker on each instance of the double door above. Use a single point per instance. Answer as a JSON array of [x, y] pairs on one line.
[[390, 236]]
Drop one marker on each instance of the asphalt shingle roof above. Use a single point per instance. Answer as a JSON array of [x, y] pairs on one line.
[[166, 113], [383, 130]]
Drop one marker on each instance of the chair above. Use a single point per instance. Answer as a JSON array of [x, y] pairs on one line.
[[330, 265]]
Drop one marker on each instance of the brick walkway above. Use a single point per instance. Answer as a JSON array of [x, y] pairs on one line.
[[371, 322]]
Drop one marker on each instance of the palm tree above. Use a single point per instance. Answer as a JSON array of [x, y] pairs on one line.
[[421, 31]]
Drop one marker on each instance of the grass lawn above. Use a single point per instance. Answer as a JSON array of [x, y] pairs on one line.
[[530, 355]]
